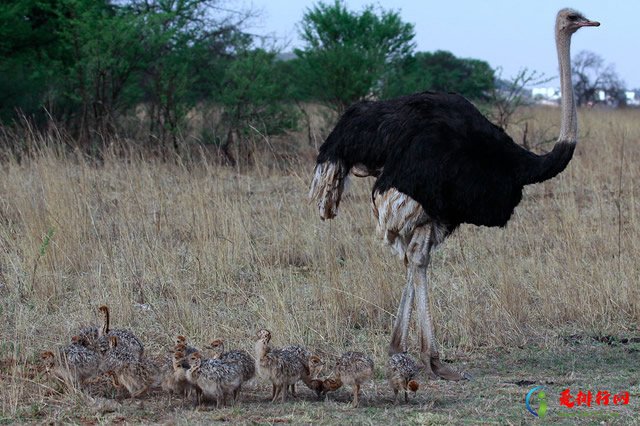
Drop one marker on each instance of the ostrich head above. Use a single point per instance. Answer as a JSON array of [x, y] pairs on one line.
[[413, 386], [181, 340], [48, 359], [331, 384], [180, 347], [114, 379], [104, 311], [178, 359], [264, 335], [78, 340], [217, 346], [569, 21], [195, 359], [315, 365]]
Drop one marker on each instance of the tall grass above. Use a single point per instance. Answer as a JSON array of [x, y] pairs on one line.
[[208, 251]]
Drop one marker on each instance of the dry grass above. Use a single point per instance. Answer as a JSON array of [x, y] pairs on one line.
[[206, 251]]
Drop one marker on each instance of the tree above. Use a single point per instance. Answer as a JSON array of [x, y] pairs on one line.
[[187, 45], [30, 56], [508, 96], [441, 71], [591, 75], [87, 62], [102, 52], [347, 54], [254, 99]]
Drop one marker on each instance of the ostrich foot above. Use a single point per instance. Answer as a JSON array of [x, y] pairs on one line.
[[436, 369]]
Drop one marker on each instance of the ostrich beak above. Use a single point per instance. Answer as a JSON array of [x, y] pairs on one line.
[[589, 24]]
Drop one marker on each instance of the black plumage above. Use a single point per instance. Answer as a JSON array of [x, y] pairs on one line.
[[438, 149]]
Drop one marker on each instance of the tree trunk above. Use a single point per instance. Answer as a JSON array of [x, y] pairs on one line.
[[226, 148]]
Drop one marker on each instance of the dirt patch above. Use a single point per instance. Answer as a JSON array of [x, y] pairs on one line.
[[502, 379]]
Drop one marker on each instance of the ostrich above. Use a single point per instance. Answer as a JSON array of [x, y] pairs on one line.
[[439, 163]]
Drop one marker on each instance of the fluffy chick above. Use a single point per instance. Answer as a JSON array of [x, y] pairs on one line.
[[74, 364], [214, 378], [127, 340], [238, 356], [352, 368], [283, 369], [401, 371], [135, 374]]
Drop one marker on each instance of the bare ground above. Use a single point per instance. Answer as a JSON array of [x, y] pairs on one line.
[[495, 395]]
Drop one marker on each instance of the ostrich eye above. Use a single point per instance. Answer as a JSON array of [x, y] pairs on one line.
[[573, 17]]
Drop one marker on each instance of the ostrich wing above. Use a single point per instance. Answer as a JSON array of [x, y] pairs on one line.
[[455, 179], [438, 149], [369, 132]]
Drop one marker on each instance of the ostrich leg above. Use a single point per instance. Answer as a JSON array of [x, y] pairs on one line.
[[419, 254], [401, 325]]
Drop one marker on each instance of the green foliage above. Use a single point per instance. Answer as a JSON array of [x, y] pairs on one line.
[[102, 53], [347, 54], [253, 94], [73, 57], [89, 63], [45, 241], [441, 71], [30, 55]]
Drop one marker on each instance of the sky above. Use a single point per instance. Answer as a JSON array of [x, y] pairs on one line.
[[509, 34]]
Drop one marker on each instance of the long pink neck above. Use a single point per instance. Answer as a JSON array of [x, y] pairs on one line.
[[569, 119], [538, 168]]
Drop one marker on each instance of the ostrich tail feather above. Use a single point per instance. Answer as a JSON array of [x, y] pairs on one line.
[[327, 187]]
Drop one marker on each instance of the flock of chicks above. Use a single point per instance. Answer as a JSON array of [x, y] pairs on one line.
[[214, 375]]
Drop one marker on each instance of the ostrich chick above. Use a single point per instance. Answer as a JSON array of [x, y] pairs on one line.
[[310, 379], [180, 346], [188, 350], [312, 363], [75, 364], [352, 368], [401, 370], [136, 375], [127, 340], [281, 368], [215, 379], [313, 366], [176, 381], [88, 337], [242, 358]]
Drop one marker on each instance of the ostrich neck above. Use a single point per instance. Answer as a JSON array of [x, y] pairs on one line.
[[104, 330], [569, 119], [538, 168], [194, 371], [262, 349], [177, 363]]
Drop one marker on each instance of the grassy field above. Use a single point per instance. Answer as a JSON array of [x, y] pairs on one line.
[[208, 251]]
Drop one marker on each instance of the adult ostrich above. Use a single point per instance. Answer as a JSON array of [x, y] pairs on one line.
[[439, 163]]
